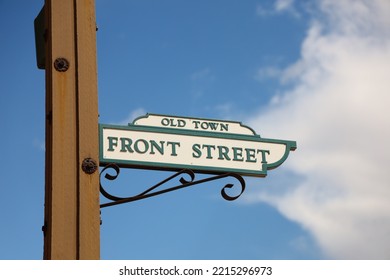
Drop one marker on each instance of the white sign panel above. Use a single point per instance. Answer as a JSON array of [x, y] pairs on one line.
[[201, 150], [195, 124]]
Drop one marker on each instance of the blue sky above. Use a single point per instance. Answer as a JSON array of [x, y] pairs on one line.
[[311, 71]]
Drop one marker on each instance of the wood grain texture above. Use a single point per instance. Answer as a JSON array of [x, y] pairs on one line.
[[72, 214]]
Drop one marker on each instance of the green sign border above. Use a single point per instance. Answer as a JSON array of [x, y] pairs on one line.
[[290, 146]]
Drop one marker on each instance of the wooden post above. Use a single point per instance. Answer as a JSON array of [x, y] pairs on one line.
[[72, 212]]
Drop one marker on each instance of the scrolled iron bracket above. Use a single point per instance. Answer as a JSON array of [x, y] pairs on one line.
[[154, 190]]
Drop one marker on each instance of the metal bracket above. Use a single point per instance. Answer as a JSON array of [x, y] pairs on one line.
[[152, 191]]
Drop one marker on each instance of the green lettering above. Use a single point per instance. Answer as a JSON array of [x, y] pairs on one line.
[[165, 122], [237, 153], [126, 145], [197, 152], [137, 146], [224, 126], [223, 152], [213, 126], [263, 158], [173, 144], [154, 144], [196, 123], [112, 143], [250, 155], [204, 125], [209, 147]]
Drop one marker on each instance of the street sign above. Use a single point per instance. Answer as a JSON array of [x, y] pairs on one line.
[[203, 145]]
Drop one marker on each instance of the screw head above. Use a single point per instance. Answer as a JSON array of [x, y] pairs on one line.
[[61, 64], [89, 166]]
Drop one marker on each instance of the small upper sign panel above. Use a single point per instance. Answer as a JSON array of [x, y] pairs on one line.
[[205, 125]]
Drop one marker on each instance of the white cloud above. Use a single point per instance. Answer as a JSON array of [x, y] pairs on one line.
[[261, 11], [133, 115], [268, 72], [279, 7], [337, 111], [282, 5]]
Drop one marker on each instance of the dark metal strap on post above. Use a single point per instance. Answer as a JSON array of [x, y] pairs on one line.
[[152, 191]]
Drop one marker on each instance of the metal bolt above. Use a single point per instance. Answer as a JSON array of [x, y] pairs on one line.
[[89, 166], [61, 64]]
